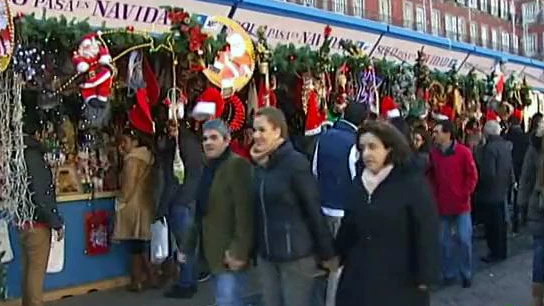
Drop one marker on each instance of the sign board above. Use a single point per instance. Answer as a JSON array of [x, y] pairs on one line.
[[405, 50], [482, 65], [286, 30], [509, 68], [535, 73], [143, 15]]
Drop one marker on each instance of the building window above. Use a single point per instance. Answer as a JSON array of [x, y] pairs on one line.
[[484, 7], [495, 7], [483, 35], [504, 9], [358, 8], [408, 14], [309, 3], [505, 41], [451, 26], [530, 44], [529, 11], [339, 6], [435, 22], [473, 32], [385, 10], [473, 3], [494, 39], [515, 43], [461, 29], [421, 19]]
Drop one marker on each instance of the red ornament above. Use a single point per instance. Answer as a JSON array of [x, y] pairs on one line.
[[130, 29], [239, 117], [327, 32]]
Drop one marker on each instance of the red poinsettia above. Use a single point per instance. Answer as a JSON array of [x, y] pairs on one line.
[[177, 17], [196, 39], [327, 32]]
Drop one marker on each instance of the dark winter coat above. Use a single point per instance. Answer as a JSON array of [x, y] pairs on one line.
[[520, 142], [289, 223], [41, 185], [531, 190], [193, 161], [495, 168], [167, 184], [388, 243], [331, 163]]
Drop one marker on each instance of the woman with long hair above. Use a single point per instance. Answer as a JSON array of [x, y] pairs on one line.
[[291, 233], [135, 207], [388, 241]]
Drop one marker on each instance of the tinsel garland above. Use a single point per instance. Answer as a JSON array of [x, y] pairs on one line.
[[14, 192]]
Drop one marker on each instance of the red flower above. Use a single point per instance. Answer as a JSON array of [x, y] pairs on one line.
[[196, 39], [177, 17], [327, 31]]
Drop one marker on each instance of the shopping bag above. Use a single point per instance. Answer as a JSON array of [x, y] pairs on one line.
[[97, 233], [55, 264], [6, 252], [159, 241]]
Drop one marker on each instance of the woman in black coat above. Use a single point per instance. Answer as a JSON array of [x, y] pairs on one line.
[[388, 241], [292, 237]]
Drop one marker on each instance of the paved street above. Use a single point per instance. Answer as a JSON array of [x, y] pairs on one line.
[[506, 284]]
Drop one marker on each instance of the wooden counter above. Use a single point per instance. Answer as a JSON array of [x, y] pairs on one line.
[[71, 197]]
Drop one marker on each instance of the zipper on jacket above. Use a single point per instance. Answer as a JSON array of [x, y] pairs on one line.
[[369, 199], [265, 221], [288, 238]]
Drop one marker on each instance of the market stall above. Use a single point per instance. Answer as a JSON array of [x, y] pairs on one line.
[[84, 82]]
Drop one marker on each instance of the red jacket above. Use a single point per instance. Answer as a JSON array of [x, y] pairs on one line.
[[453, 177]]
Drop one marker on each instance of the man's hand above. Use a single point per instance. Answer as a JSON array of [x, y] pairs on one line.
[[332, 264], [60, 233], [232, 263]]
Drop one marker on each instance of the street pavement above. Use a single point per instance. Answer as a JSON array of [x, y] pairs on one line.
[[504, 284]]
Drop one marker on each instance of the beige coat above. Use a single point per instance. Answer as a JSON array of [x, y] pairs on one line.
[[135, 207]]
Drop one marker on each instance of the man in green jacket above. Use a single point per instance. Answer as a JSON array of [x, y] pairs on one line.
[[224, 208]]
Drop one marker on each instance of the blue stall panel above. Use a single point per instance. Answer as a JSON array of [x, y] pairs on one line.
[[79, 268]]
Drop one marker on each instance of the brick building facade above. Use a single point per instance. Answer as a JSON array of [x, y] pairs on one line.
[[512, 26]]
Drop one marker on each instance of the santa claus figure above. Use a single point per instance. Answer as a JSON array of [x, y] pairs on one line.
[[93, 60], [5, 31], [234, 62]]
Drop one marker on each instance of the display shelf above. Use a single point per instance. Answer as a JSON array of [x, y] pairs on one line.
[[71, 197]]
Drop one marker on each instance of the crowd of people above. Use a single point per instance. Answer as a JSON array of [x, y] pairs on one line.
[[374, 212]]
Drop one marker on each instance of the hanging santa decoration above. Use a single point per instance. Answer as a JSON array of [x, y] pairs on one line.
[[93, 60]]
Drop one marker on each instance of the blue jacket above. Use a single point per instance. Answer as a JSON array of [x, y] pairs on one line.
[[331, 164]]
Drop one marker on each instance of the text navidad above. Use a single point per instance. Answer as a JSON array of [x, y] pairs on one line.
[[97, 8]]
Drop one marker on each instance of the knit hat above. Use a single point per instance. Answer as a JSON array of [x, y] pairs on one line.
[[217, 125]]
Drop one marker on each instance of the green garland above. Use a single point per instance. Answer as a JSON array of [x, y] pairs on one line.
[[63, 35]]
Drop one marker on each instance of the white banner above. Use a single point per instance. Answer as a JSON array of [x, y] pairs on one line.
[[482, 65], [285, 30], [405, 50], [142, 15]]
